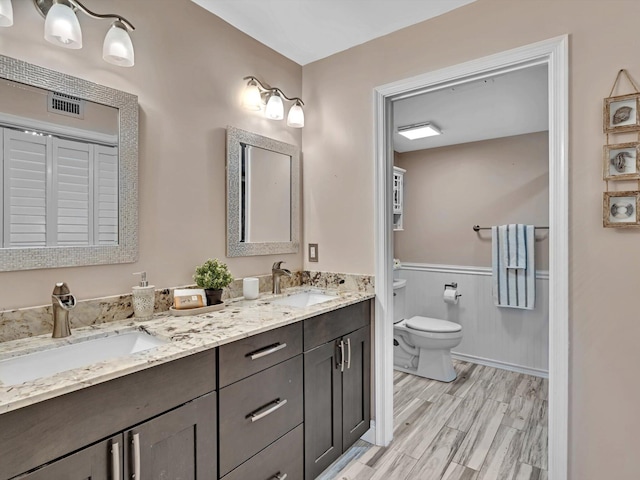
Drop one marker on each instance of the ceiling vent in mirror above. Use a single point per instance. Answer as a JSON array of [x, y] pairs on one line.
[[65, 105]]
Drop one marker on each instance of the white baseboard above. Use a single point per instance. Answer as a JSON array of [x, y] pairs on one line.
[[536, 372], [370, 435]]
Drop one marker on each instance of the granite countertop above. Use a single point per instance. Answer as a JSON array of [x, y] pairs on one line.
[[186, 334]]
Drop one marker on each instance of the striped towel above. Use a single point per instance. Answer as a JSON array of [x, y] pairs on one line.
[[513, 265]]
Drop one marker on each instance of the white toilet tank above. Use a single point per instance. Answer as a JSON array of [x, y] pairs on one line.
[[399, 294]]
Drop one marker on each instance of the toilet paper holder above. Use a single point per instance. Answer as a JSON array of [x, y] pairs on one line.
[[453, 285]]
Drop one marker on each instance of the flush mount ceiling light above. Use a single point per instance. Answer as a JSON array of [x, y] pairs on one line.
[[258, 95], [6, 13], [419, 130], [62, 28]]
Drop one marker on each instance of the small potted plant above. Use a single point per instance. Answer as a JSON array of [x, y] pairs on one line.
[[213, 276]]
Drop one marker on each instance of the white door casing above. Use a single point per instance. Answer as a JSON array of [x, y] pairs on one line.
[[553, 53]]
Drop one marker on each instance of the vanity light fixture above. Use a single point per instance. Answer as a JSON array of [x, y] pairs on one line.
[[419, 130], [62, 28], [258, 95]]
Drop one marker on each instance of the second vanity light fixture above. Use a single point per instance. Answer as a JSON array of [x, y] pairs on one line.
[[62, 28], [256, 94]]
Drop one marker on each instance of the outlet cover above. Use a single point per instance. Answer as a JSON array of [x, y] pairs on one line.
[[313, 252]]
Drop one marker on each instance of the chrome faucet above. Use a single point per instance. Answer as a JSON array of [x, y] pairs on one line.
[[62, 301], [276, 273]]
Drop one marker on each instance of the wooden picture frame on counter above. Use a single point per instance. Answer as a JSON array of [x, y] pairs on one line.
[[620, 209], [621, 113], [621, 161]]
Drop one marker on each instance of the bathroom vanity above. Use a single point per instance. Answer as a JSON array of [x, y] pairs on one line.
[[257, 389]]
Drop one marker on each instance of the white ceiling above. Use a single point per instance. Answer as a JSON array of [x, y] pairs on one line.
[[308, 30], [514, 103]]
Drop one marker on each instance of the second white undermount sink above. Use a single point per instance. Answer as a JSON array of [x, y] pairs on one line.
[[44, 363], [304, 299]]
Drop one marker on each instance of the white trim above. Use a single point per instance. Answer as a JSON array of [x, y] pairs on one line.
[[72, 133], [512, 367], [459, 269], [370, 435], [553, 52]]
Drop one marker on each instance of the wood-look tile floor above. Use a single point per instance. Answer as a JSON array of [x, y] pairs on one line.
[[488, 424]]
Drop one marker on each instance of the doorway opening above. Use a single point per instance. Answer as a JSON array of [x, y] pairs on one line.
[[552, 54]]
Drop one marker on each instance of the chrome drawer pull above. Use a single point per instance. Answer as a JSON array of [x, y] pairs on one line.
[[348, 353], [279, 476], [115, 461], [266, 351], [136, 456], [341, 356], [263, 412]]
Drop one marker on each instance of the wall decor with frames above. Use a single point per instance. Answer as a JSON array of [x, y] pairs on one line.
[[621, 159]]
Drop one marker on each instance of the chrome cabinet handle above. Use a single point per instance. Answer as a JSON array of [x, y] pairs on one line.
[[266, 351], [348, 353], [341, 356], [136, 456], [115, 461], [263, 412], [279, 476]]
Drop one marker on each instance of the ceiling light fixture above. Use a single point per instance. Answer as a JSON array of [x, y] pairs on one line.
[[62, 28], [258, 95], [419, 130]]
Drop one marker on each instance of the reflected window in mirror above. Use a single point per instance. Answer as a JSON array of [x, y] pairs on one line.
[[59, 162]]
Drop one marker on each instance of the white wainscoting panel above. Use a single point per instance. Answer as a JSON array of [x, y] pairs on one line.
[[503, 337]]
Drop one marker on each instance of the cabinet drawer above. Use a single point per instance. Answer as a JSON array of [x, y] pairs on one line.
[[331, 325], [257, 410], [281, 458], [245, 357]]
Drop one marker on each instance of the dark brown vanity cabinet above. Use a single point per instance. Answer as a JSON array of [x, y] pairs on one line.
[[337, 388], [160, 422], [178, 444], [261, 406]]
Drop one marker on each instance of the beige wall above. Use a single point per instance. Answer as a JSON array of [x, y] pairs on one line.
[[447, 190], [188, 76], [339, 188]]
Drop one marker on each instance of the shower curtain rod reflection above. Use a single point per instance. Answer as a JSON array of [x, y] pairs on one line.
[[477, 228]]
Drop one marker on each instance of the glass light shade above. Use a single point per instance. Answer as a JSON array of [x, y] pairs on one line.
[[62, 28], [118, 48], [6, 13], [295, 118], [275, 107], [252, 99]]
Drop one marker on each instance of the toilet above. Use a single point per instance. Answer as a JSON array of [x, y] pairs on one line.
[[422, 345]]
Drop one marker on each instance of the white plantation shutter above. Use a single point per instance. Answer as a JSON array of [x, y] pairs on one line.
[[106, 195], [72, 193], [24, 189]]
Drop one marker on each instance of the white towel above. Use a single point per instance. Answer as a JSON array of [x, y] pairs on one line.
[[513, 265]]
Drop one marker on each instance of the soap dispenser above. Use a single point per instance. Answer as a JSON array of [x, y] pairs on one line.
[[144, 297]]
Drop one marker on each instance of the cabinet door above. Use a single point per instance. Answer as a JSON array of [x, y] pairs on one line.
[[101, 461], [323, 408], [356, 386], [179, 445]]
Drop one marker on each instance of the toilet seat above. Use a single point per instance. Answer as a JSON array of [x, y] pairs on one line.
[[436, 325]]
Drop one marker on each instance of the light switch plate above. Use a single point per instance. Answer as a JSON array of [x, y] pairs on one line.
[[313, 252]]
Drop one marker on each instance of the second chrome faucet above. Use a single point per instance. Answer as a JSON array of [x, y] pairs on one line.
[[276, 272]]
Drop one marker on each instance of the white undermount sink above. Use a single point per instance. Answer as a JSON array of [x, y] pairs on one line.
[[43, 363], [304, 299]]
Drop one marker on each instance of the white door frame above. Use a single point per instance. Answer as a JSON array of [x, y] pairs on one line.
[[553, 53]]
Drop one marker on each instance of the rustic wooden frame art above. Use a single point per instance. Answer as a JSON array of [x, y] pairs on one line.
[[631, 99], [607, 159], [607, 217]]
